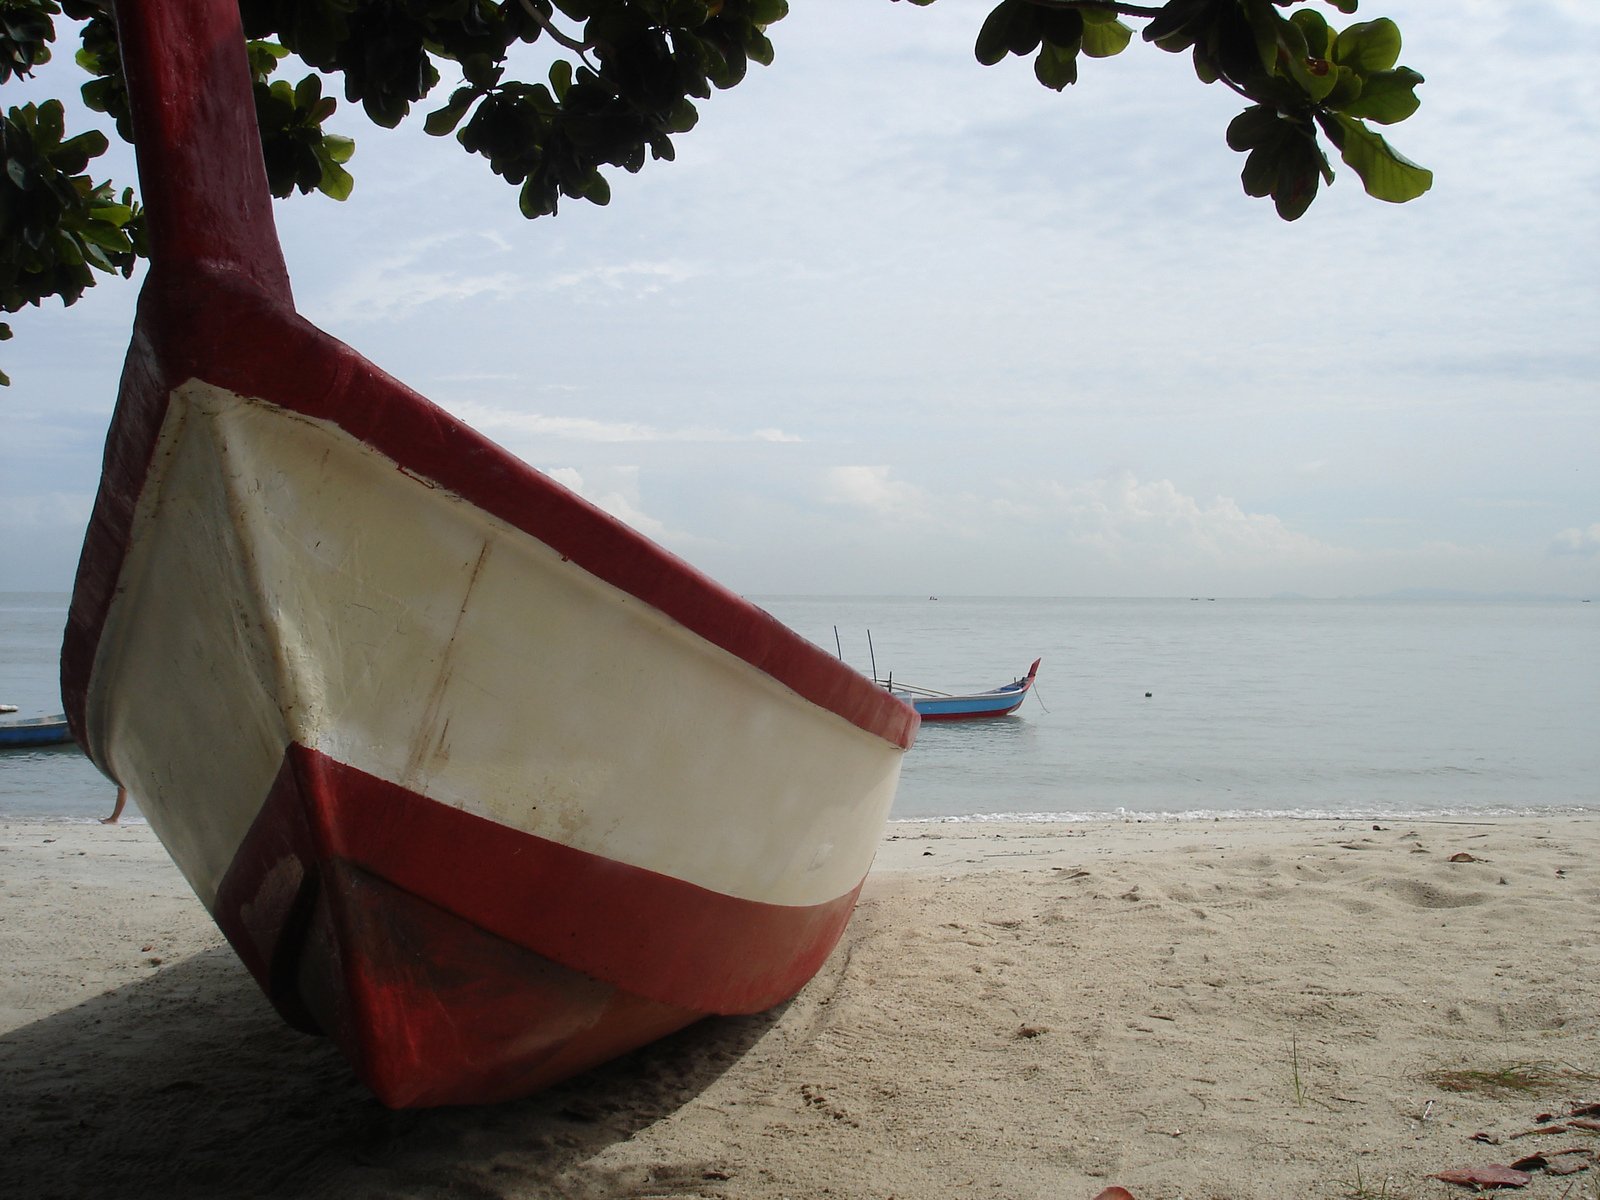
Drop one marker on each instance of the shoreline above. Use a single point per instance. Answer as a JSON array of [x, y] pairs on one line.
[[1022, 821], [1233, 1008]]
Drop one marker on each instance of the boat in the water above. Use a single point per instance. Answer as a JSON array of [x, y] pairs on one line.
[[942, 706], [476, 780], [29, 732]]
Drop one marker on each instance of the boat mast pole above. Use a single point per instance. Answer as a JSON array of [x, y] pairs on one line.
[[201, 174]]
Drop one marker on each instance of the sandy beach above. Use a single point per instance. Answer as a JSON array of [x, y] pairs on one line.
[[1212, 1010]]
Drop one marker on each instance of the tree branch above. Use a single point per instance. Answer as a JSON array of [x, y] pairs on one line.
[[1122, 10], [562, 39]]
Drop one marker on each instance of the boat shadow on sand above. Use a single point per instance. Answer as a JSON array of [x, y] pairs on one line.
[[186, 1084]]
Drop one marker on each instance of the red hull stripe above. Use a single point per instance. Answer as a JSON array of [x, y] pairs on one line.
[[649, 934], [971, 716], [428, 1008]]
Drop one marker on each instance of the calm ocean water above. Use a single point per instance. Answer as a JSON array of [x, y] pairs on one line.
[[1340, 708]]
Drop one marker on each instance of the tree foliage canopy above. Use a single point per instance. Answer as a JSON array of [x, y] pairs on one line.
[[623, 84]]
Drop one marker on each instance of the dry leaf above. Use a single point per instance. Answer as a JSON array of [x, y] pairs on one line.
[[1464, 857], [1569, 1163], [1557, 1162], [1493, 1175], [1588, 1123]]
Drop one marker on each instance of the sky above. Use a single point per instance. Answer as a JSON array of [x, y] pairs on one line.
[[896, 323]]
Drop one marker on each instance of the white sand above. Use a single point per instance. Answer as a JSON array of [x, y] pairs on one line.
[[1230, 1010]]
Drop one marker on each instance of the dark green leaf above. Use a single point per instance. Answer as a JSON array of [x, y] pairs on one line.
[[1057, 66], [1319, 35], [443, 120], [1011, 28], [1260, 174], [1386, 97], [560, 78], [334, 181], [1369, 46], [1386, 174], [1255, 126], [1102, 39]]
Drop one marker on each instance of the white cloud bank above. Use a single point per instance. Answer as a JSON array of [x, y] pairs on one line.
[[871, 488], [513, 428], [1123, 518], [1577, 541]]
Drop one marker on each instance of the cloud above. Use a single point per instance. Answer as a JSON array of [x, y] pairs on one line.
[[508, 425], [1124, 518], [636, 280], [49, 510], [1577, 541], [872, 489], [439, 270], [389, 291]]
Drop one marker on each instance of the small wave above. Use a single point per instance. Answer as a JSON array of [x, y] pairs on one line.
[[1152, 816]]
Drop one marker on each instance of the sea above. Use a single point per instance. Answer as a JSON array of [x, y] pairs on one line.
[[1144, 709]]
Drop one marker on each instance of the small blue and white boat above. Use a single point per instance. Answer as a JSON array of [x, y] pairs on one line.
[[34, 731], [941, 706]]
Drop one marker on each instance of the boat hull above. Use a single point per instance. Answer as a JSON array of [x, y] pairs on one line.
[[449, 977], [481, 815], [477, 780], [35, 731], [968, 708], [999, 702]]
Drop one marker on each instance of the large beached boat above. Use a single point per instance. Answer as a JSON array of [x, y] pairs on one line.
[[475, 779]]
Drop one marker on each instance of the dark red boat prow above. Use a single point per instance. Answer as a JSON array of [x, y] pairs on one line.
[[386, 920]]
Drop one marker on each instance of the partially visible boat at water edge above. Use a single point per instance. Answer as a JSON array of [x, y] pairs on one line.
[[476, 780], [941, 706], [30, 732]]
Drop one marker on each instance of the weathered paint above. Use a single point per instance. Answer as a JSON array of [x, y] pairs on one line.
[[338, 603], [477, 779]]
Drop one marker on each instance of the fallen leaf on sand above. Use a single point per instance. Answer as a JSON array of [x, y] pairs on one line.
[[1560, 1162], [1493, 1175], [1586, 1110], [1115, 1193], [1569, 1164], [1492, 1139], [1588, 1123], [1463, 856]]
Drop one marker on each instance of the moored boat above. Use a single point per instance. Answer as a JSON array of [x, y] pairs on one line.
[[475, 779], [996, 702], [35, 731]]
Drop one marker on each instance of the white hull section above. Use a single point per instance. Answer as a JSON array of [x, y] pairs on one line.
[[353, 608]]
